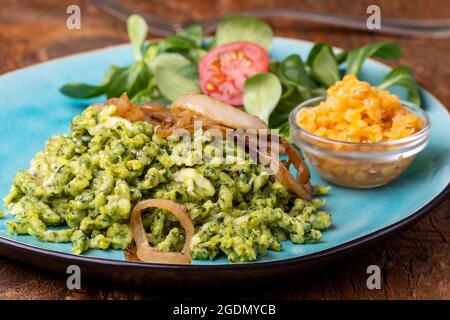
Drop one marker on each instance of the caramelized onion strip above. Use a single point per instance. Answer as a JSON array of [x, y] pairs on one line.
[[217, 111], [187, 122], [154, 113], [283, 175], [125, 108], [297, 160]]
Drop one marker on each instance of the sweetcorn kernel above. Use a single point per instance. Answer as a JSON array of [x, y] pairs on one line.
[[352, 116], [321, 132], [355, 111]]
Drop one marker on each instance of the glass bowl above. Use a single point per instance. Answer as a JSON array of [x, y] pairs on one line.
[[359, 165]]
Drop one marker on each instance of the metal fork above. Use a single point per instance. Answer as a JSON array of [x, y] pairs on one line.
[[436, 29]]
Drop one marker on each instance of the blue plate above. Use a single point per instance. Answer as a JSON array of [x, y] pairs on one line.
[[33, 109]]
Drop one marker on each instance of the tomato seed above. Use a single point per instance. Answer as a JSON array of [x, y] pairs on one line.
[[210, 86]]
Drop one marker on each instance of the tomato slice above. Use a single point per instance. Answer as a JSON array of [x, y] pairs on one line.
[[224, 69]]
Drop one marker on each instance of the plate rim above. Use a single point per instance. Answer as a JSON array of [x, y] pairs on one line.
[[334, 251]]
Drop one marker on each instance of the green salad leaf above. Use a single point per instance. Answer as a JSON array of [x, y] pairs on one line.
[[129, 79], [138, 77], [137, 32], [341, 57], [118, 83], [86, 91], [173, 85], [190, 38], [293, 69], [195, 33], [244, 28], [196, 54], [177, 42], [82, 90], [288, 101], [170, 60], [151, 52], [402, 76], [261, 95], [146, 94], [323, 65], [189, 71], [384, 50]]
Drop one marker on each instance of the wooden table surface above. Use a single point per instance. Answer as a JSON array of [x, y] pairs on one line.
[[414, 264]]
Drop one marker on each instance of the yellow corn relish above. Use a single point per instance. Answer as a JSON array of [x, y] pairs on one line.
[[355, 111]]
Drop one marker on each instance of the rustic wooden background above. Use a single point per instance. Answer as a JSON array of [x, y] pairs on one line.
[[415, 264]]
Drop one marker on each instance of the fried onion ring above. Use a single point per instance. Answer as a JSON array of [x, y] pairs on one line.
[[144, 251]]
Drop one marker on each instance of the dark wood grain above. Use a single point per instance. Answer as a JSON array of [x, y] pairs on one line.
[[415, 264]]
